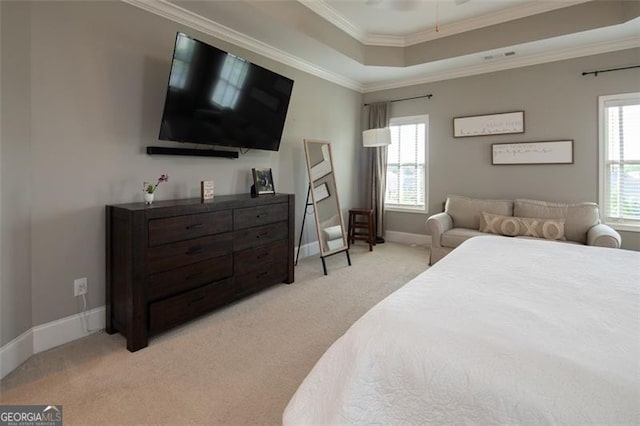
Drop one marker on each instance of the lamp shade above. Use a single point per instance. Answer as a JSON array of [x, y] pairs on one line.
[[376, 137]]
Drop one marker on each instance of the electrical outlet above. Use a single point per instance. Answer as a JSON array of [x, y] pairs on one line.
[[79, 286]]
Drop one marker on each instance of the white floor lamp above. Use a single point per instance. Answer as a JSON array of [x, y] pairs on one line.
[[376, 137]]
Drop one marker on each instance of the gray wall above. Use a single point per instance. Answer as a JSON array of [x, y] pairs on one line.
[[15, 176], [559, 103], [83, 85]]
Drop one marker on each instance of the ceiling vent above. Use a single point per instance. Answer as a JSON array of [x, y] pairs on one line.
[[495, 56]]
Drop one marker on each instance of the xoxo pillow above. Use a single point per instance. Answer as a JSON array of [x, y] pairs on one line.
[[550, 229]]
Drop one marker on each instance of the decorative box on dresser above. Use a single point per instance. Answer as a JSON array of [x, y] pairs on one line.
[[172, 261]]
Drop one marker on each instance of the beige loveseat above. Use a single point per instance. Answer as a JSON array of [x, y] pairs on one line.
[[465, 217]]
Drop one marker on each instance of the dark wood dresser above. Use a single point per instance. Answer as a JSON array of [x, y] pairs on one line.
[[172, 261]]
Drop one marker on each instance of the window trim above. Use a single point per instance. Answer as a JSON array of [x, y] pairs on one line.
[[603, 158], [414, 119]]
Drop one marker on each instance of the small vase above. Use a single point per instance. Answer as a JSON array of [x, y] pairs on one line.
[[148, 197]]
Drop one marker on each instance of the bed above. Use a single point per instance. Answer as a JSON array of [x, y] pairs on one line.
[[501, 331]]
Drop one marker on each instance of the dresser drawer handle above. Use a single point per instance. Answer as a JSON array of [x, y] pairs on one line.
[[194, 276], [195, 250], [264, 234], [195, 226], [262, 274], [262, 256]]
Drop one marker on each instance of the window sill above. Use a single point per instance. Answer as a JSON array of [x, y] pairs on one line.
[[623, 227], [396, 209]]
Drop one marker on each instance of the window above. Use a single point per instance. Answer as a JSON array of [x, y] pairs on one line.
[[620, 160], [406, 174]]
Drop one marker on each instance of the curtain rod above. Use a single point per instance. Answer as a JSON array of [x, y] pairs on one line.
[[408, 99], [595, 73]]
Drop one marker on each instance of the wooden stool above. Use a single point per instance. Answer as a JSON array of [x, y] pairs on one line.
[[361, 219]]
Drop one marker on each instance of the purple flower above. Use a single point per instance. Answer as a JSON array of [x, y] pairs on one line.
[[147, 187]]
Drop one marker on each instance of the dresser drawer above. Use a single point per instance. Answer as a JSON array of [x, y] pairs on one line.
[[261, 215], [266, 275], [171, 256], [251, 260], [191, 304], [259, 235], [184, 278], [171, 229]]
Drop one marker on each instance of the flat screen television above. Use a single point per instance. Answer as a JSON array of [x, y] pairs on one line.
[[217, 98]]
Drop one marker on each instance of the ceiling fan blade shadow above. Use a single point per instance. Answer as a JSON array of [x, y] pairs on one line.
[[403, 5], [400, 5]]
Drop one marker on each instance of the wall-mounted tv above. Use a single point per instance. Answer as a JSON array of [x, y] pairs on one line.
[[217, 98]]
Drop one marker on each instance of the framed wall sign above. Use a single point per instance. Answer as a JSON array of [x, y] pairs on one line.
[[548, 152], [493, 124]]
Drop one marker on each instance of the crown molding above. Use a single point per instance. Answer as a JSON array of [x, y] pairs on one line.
[[183, 16], [506, 64], [383, 40], [327, 12], [487, 20]]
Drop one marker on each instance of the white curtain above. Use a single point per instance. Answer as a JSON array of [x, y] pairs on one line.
[[377, 165]]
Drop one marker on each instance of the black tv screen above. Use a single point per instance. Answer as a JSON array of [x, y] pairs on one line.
[[217, 98]]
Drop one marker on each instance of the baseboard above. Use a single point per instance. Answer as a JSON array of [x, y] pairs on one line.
[[408, 238], [313, 248], [16, 352], [46, 336], [59, 332], [309, 249]]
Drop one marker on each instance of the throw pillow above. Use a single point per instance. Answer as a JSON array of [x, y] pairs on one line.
[[579, 216], [550, 229]]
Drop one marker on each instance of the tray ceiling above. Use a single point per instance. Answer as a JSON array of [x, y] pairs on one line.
[[370, 45]]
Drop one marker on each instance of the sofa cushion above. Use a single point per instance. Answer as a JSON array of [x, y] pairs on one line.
[[579, 217], [456, 236], [466, 211], [556, 241], [550, 229]]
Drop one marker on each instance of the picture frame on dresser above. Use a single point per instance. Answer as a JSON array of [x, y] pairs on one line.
[[206, 190], [263, 181]]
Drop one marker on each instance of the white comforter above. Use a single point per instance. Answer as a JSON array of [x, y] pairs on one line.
[[502, 330]]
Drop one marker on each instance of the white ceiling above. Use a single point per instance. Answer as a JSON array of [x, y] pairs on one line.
[[370, 45], [379, 22]]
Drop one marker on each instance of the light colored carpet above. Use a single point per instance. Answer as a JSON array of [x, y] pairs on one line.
[[238, 365]]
